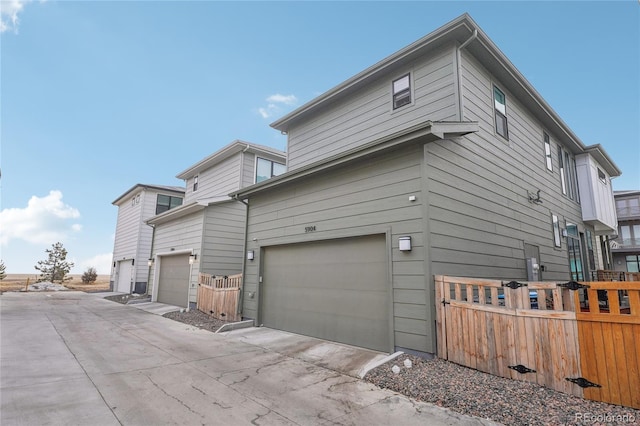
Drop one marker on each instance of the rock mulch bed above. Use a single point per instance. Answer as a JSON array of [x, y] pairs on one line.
[[506, 401], [128, 298], [197, 319]]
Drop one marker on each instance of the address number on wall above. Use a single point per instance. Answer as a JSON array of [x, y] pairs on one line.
[[310, 228]]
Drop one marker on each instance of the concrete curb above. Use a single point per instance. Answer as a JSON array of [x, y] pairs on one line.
[[376, 363], [235, 326]]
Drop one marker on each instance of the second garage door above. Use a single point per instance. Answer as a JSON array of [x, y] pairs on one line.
[[173, 281], [336, 290]]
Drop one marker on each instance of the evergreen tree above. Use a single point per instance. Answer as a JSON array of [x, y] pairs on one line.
[[56, 266], [3, 274]]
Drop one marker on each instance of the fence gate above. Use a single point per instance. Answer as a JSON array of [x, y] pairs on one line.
[[522, 331], [609, 335], [219, 296]]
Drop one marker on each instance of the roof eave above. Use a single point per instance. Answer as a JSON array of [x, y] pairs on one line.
[[601, 156], [427, 131]]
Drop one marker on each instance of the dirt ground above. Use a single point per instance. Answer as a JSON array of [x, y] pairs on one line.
[[18, 282]]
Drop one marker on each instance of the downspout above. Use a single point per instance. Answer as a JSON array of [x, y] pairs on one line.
[[153, 240], [244, 253], [459, 73]]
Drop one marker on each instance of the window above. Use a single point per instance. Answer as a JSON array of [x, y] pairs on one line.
[[195, 183], [575, 254], [590, 251], [568, 176], [402, 91], [547, 152], [500, 107], [633, 263], [166, 202], [556, 230], [602, 176], [266, 169]]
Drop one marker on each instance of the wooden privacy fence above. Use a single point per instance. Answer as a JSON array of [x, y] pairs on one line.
[[219, 296], [556, 335]]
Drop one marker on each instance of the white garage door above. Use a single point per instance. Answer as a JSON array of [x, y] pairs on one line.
[[125, 270], [173, 280], [335, 290]]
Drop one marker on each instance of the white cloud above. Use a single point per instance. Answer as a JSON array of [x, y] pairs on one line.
[[102, 263], [45, 220], [283, 99], [9, 10], [274, 102]]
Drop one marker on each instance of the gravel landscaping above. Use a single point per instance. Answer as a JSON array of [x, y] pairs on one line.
[[472, 392], [506, 401]]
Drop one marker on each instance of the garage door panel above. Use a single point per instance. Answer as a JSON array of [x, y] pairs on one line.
[[124, 276], [173, 281], [336, 290]]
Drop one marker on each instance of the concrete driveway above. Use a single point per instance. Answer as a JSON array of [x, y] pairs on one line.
[[74, 358]]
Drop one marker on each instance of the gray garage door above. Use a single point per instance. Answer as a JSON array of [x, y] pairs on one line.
[[336, 290], [173, 282]]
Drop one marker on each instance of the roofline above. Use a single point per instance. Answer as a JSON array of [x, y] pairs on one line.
[[424, 132], [186, 209], [227, 151], [174, 189], [601, 156], [626, 193], [447, 30]]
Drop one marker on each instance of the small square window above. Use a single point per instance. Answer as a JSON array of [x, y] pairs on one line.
[[402, 91], [602, 176]]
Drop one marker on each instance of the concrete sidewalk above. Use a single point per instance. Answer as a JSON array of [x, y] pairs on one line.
[[70, 358]]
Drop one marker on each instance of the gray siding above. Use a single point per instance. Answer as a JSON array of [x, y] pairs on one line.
[[368, 115], [248, 169], [223, 242], [370, 197], [184, 233], [479, 214], [219, 180]]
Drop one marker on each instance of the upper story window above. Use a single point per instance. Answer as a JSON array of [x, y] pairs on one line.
[[547, 152], [135, 200], [568, 176], [500, 108], [402, 91], [556, 230], [167, 202], [195, 183], [266, 169], [602, 176]]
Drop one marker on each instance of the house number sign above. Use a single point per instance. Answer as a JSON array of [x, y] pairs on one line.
[[310, 228]]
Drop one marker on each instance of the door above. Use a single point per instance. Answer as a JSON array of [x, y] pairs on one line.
[[173, 280], [125, 271], [336, 290]]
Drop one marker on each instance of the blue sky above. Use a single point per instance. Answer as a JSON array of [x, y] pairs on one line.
[[99, 96]]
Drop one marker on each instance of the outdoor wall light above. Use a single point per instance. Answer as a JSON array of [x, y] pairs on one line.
[[150, 262], [405, 243], [250, 255], [192, 259]]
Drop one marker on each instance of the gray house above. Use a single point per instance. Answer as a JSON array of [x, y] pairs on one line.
[[626, 248], [439, 159], [132, 244], [206, 233]]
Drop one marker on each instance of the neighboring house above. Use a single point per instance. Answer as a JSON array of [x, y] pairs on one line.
[[207, 233], [440, 159], [626, 248], [132, 245]]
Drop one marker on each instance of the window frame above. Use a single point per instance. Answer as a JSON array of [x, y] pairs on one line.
[[555, 224], [271, 169], [568, 174], [547, 151], [168, 206], [497, 113], [195, 183], [408, 92]]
